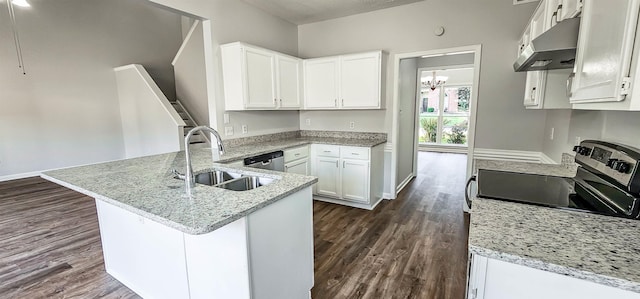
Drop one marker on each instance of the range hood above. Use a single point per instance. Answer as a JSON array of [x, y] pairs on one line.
[[554, 49]]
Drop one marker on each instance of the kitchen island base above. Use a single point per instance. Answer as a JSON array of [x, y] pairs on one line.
[[265, 254]]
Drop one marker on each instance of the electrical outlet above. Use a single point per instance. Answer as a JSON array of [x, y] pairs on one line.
[[226, 118], [228, 131], [308, 121], [352, 125], [553, 130], [245, 129]]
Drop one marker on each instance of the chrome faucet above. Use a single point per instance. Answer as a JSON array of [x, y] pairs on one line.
[[189, 178]]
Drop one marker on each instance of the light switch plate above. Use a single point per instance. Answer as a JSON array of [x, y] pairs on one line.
[[228, 131], [226, 118], [308, 121], [352, 125]]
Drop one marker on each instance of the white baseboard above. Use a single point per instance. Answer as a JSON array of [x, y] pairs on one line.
[[404, 183], [388, 196], [510, 155], [444, 149], [19, 176]]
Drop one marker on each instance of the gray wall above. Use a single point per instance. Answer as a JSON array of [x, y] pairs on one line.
[[233, 20], [65, 111], [446, 60], [497, 25], [407, 96], [615, 126]]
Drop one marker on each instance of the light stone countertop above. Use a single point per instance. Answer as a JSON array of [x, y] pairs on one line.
[[587, 246], [145, 186]]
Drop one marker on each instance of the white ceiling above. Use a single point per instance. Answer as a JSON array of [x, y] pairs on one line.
[[309, 11]]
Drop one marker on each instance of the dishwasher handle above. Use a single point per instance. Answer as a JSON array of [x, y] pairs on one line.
[[466, 190]]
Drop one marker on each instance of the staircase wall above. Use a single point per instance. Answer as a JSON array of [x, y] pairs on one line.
[[190, 75]]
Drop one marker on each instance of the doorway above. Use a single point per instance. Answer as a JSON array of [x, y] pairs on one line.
[[432, 112]]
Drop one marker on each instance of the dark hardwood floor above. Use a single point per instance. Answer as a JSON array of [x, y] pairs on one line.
[[50, 244], [412, 247]]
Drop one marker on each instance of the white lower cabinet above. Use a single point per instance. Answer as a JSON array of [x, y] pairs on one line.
[[296, 160], [495, 279], [348, 175]]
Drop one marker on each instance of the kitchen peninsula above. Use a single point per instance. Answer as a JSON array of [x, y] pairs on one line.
[[215, 243]]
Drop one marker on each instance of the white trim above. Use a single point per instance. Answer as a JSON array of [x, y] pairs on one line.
[[518, 2], [185, 41], [546, 159], [19, 176], [404, 183], [388, 147], [477, 50], [387, 196], [444, 149], [511, 155], [348, 203]]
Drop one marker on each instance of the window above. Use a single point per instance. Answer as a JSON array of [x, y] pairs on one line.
[[444, 115]]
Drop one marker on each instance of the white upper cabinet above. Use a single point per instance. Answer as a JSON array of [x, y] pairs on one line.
[[321, 83], [360, 81], [605, 48], [343, 82], [289, 82], [570, 9], [259, 79]]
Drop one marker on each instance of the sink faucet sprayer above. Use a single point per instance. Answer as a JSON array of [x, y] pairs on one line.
[[190, 179]]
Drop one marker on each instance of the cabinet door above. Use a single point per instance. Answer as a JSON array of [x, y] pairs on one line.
[[534, 89], [360, 81], [299, 167], [570, 9], [328, 175], [355, 180], [260, 79], [605, 46], [539, 23], [288, 82], [321, 85]]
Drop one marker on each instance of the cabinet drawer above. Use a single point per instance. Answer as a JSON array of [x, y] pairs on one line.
[[358, 153], [325, 150], [296, 153]]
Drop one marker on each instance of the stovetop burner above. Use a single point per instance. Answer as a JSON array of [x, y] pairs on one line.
[[607, 182]]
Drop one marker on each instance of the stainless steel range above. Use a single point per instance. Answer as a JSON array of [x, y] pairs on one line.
[[607, 182]]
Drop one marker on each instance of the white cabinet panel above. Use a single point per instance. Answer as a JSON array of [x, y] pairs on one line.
[[360, 81], [570, 8], [328, 173], [288, 82], [605, 46], [260, 79], [299, 166], [321, 83], [355, 180]]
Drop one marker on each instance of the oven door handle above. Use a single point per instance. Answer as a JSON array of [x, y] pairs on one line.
[[466, 190]]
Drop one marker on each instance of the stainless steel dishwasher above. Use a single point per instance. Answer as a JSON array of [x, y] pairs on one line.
[[270, 161]]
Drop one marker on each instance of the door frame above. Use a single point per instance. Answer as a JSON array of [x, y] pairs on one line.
[[395, 129]]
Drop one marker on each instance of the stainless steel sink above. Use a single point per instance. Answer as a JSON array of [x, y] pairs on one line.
[[245, 183], [214, 177], [229, 180]]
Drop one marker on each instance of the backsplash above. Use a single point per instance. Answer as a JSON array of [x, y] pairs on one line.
[[343, 134], [304, 133]]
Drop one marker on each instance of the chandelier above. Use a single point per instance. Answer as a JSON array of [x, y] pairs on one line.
[[434, 81]]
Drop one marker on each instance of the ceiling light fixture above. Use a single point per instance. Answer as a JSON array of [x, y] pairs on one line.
[[21, 3], [434, 81]]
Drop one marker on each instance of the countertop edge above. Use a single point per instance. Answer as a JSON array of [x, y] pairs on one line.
[[172, 224], [558, 269]]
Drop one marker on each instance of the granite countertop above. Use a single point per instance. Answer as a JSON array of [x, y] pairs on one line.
[[145, 186], [234, 153], [582, 245]]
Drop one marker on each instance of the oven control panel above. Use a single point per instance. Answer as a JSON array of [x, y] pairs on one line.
[[616, 162]]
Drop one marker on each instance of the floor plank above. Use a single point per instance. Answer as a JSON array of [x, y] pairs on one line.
[[410, 247]]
